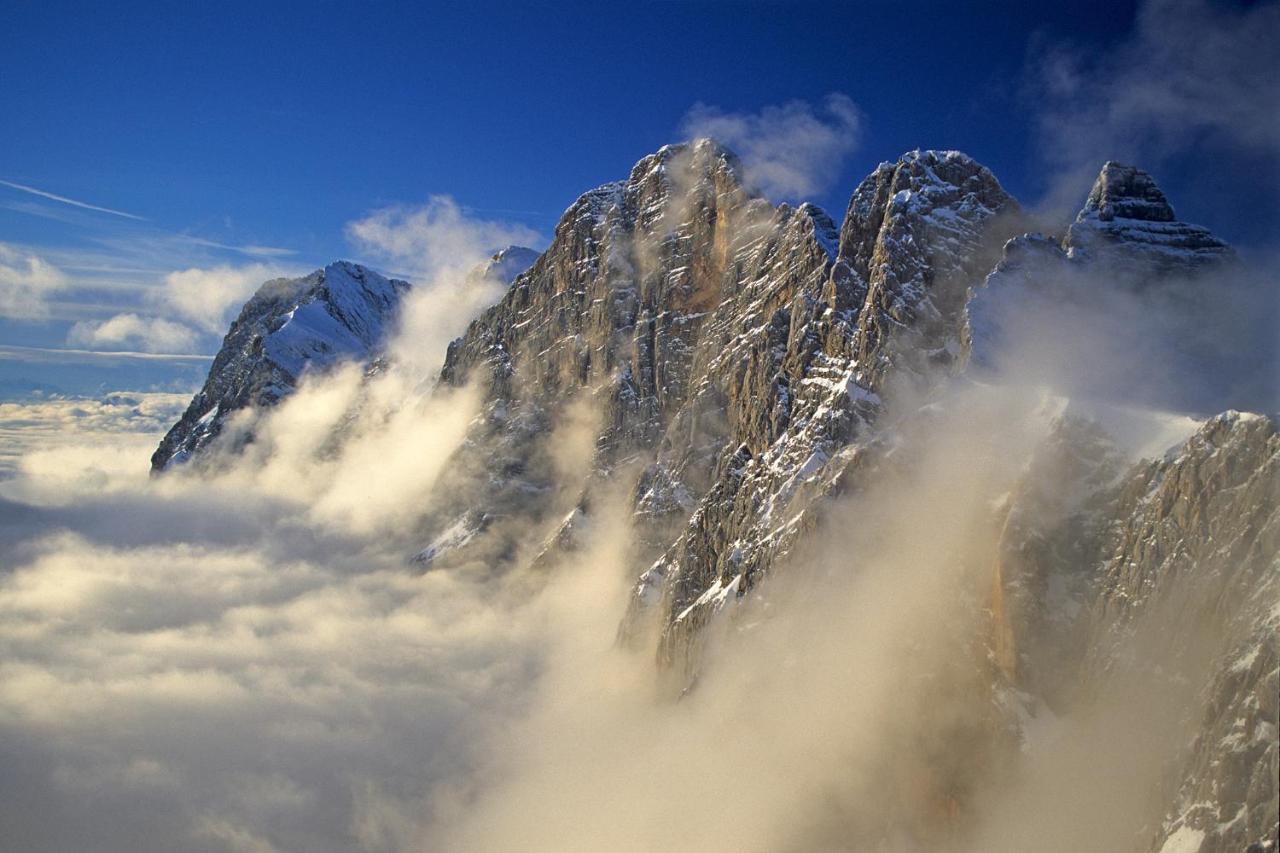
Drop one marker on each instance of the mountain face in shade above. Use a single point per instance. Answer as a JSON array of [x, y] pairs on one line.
[[1135, 288], [1163, 574], [1126, 213], [1197, 537], [736, 366]]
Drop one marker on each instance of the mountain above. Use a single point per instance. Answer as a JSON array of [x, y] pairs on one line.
[[1126, 211], [343, 312], [1125, 236], [290, 325], [1194, 545], [738, 367], [1141, 306]]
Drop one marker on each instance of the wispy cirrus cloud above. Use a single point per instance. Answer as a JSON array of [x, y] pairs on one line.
[[61, 199], [251, 250], [122, 282]]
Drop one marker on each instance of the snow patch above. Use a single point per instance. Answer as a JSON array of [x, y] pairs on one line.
[[1185, 840]]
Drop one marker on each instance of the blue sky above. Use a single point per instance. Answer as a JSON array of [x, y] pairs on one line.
[[245, 138]]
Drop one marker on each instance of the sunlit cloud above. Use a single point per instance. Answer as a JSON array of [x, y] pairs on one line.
[[434, 238], [133, 331], [27, 281], [96, 432], [208, 298], [790, 151]]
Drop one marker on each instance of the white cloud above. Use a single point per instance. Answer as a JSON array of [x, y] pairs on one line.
[[209, 298], [133, 331], [434, 238], [26, 283], [186, 665], [790, 151], [439, 246], [59, 442]]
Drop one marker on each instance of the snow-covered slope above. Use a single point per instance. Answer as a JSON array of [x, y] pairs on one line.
[[342, 312]]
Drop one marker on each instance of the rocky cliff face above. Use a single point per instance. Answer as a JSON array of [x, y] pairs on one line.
[[611, 316], [882, 316], [1165, 575], [1191, 573], [734, 348]]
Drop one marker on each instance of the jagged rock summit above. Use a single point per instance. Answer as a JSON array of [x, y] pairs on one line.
[[1126, 192], [1128, 219], [508, 263]]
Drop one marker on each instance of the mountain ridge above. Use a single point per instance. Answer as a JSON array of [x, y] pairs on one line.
[[745, 365]]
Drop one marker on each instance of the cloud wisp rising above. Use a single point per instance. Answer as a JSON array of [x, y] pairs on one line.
[[791, 151], [434, 238]]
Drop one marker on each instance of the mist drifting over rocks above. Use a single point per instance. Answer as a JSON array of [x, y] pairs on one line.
[[719, 525]]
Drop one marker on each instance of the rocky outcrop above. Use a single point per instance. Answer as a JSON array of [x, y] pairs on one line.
[[1052, 529], [1157, 582], [731, 349], [1126, 300], [916, 235], [610, 316], [1125, 237], [1128, 220], [506, 264]]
